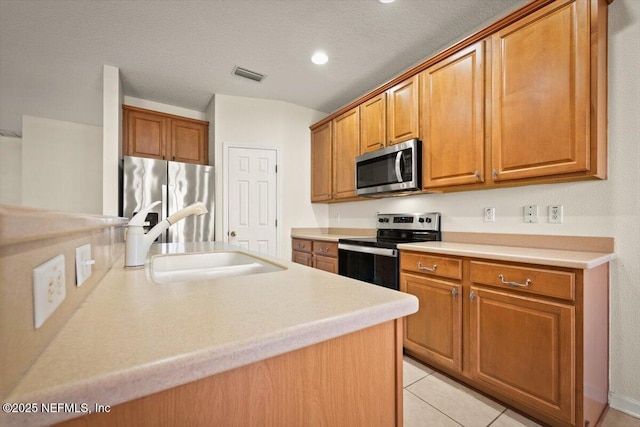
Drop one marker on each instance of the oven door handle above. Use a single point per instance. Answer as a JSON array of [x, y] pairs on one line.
[[368, 250]]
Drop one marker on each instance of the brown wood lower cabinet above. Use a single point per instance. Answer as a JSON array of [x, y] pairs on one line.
[[533, 336], [339, 382], [318, 254]]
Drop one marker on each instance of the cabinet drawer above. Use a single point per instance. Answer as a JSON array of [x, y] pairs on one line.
[[431, 264], [329, 264], [302, 245], [553, 283], [325, 248]]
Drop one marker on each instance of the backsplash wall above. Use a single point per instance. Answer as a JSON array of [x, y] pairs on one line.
[[29, 237]]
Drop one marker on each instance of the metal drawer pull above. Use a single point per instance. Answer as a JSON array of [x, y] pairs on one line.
[[454, 292], [426, 268], [472, 296], [324, 250], [519, 285]]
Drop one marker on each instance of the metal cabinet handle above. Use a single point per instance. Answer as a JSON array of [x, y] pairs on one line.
[[432, 269], [324, 250], [454, 292], [232, 234], [301, 246], [516, 284], [495, 173], [472, 296], [477, 175]]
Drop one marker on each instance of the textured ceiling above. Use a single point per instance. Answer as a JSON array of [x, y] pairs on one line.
[[182, 52]]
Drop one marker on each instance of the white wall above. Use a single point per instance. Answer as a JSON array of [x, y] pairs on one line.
[[164, 108], [10, 170], [61, 165], [594, 208], [111, 139], [252, 122]]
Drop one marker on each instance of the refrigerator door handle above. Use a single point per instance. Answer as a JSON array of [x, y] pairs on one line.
[[164, 202]]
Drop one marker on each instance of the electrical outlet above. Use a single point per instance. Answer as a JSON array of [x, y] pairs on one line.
[[555, 214], [49, 289], [83, 263], [490, 214], [530, 213]]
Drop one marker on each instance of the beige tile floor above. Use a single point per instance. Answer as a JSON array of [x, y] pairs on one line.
[[433, 400]]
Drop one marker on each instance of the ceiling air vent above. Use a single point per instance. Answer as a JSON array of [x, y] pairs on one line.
[[248, 74]]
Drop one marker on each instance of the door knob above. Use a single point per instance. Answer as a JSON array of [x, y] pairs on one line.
[[232, 234]]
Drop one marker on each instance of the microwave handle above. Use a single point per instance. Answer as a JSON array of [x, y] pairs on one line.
[[398, 171]]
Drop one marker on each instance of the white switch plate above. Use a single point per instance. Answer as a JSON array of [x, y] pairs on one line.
[[490, 214], [49, 288], [83, 263], [555, 214], [530, 213]]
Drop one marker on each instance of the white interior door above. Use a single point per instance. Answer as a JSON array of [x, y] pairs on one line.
[[252, 199]]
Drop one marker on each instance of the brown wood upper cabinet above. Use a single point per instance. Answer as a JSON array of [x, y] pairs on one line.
[[541, 93], [402, 111], [346, 146], [373, 124], [163, 136], [452, 119], [321, 163]]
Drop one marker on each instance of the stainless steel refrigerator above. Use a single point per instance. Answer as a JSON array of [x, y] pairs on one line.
[[177, 185]]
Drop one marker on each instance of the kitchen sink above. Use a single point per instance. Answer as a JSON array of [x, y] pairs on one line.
[[191, 267]]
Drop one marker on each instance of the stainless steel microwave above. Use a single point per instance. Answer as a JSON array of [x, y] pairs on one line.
[[394, 168]]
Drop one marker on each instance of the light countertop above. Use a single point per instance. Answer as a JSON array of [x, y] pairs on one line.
[[551, 257], [331, 235], [133, 337]]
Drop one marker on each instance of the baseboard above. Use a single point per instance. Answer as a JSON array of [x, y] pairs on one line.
[[624, 404]]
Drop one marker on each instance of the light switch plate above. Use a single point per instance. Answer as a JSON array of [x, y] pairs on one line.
[[530, 213], [83, 263], [49, 288], [490, 214]]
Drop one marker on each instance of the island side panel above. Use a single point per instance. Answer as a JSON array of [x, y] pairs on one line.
[[355, 379]]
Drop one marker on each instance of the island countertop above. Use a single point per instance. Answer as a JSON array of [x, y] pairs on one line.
[[133, 337]]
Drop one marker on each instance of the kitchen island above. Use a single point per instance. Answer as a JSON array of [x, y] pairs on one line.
[[283, 348]]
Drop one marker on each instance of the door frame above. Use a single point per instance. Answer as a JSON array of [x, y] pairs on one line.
[[226, 146]]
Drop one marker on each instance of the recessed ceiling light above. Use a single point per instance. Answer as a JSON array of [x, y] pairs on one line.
[[387, 1], [319, 58]]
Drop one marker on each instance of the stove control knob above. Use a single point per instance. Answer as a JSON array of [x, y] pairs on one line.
[[428, 220], [380, 219], [420, 219]]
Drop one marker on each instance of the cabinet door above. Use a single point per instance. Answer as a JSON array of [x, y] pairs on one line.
[[452, 119], [540, 101], [346, 146], [321, 163], [189, 142], [373, 124], [402, 111], [435, 330], [325, 263], [146, 134], [523, 347], [303, 258]]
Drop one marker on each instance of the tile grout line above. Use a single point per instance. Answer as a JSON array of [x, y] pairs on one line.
[[496, 418], [455, 421], [420, 379]]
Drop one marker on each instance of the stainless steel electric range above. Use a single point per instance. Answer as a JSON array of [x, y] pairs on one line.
[[375, 259]]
